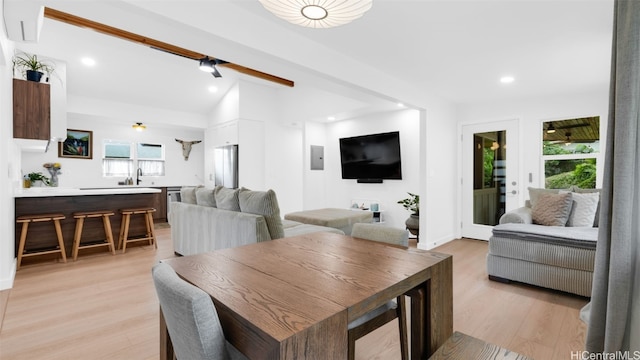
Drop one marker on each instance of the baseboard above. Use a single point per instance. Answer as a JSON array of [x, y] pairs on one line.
[[7, 283], [5, 289], [428, 245]]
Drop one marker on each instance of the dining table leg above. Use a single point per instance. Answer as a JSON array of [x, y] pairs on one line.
[[432, 311]]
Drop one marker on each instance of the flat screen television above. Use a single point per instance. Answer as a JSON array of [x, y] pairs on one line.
[[371, 158]]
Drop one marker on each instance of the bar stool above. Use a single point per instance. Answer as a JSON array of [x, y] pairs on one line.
[[108, 241], [25, 220], [150, 236]]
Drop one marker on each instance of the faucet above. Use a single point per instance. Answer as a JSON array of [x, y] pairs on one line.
[[138, 174]]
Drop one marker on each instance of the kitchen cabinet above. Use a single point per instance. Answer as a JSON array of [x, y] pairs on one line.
[[160, 204], [249, 135], [226, 134], [31, 110]]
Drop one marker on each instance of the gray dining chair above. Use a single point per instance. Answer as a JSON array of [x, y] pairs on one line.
[[392, 309], [191, 318]]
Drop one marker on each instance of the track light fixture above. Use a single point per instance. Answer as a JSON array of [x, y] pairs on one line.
[[138, 126], [209, 65]]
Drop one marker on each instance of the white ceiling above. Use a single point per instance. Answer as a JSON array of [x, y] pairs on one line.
[[455, 49]]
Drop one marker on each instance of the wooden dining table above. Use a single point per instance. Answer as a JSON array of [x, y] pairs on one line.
[[292, 298]]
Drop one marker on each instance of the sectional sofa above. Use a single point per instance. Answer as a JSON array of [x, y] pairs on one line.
[[208, 219], [550, 242]]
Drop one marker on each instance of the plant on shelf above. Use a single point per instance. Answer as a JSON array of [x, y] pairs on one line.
[[412, 203], [38, 176], [31, 67]]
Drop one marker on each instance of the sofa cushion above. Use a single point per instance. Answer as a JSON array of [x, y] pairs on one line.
[[263, 203], [534, 193], [583, 211], [188, 194], [552, 209], [596, 219], [205, 197], [227, 199]]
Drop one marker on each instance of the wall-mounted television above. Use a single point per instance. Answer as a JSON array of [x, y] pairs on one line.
[[371, 158]]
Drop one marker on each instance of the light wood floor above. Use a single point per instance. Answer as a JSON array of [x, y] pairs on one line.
[[105, 307]]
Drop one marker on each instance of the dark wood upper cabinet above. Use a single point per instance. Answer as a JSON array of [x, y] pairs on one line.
[[31, 110]]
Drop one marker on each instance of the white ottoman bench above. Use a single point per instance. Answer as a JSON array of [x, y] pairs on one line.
[[342, 219]]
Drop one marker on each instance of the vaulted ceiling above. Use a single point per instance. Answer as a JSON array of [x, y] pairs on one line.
[[457, 50]]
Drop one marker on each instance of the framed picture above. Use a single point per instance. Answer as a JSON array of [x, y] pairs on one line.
[[79, 145]]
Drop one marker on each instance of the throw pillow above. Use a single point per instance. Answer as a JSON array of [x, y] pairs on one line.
[[188, 194], [584, 209], [552, 209], [596, 219], [263, 203], [227, 199], [534, 193], [204, 197]]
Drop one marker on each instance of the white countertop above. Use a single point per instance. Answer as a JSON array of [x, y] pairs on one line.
[[60, 191]]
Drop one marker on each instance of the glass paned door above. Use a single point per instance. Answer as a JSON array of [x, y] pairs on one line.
[[489, 176]]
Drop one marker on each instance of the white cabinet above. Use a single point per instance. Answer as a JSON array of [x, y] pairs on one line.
[[226, 134], [249, 135]]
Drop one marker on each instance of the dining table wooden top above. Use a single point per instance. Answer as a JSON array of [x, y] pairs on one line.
[[292, 298]]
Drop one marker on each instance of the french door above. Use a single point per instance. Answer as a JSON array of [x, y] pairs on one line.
[[489, 175]]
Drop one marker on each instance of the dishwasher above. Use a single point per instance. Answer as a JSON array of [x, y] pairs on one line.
[[173, 194]]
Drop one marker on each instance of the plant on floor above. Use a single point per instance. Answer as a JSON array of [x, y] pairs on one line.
[[412, 203]]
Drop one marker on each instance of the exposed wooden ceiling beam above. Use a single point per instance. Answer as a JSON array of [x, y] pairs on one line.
[[126, 35]]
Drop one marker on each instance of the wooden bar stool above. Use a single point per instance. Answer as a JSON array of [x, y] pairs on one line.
[[108, 241], [150, 236], [25, 220]]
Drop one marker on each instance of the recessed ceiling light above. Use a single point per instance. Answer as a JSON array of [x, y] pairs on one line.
[[213, 89], [400, 105], [331, 118], [507, 79], [88, 61]]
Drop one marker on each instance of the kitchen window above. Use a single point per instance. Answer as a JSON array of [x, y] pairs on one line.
[[150, 159], [117, 161]]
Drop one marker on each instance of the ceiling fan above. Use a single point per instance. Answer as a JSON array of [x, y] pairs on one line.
[[204, 60]]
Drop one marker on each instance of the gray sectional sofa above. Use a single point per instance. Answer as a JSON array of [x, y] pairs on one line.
[[535, 245], [209, 219]]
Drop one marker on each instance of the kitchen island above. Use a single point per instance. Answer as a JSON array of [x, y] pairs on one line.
[[69, 200]]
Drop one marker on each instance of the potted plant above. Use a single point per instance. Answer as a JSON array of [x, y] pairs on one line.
[[37, 176], [31, 67], [412, 203]]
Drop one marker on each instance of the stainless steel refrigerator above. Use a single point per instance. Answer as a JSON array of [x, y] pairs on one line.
[[226, 166]]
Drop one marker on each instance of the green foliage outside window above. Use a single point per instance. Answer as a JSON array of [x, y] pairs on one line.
[[582, 173], [562, 174], [488, 167]]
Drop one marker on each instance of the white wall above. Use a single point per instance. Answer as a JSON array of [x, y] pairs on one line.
[[314, 182], [9, 161], [531, 114], [278, 158], [88, 173], [340, 192], [439, 201]]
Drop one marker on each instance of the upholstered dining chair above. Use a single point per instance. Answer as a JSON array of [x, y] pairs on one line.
[[191, 318], [392, 309]]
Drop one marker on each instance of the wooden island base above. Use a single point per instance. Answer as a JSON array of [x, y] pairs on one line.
[[42, 235]]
